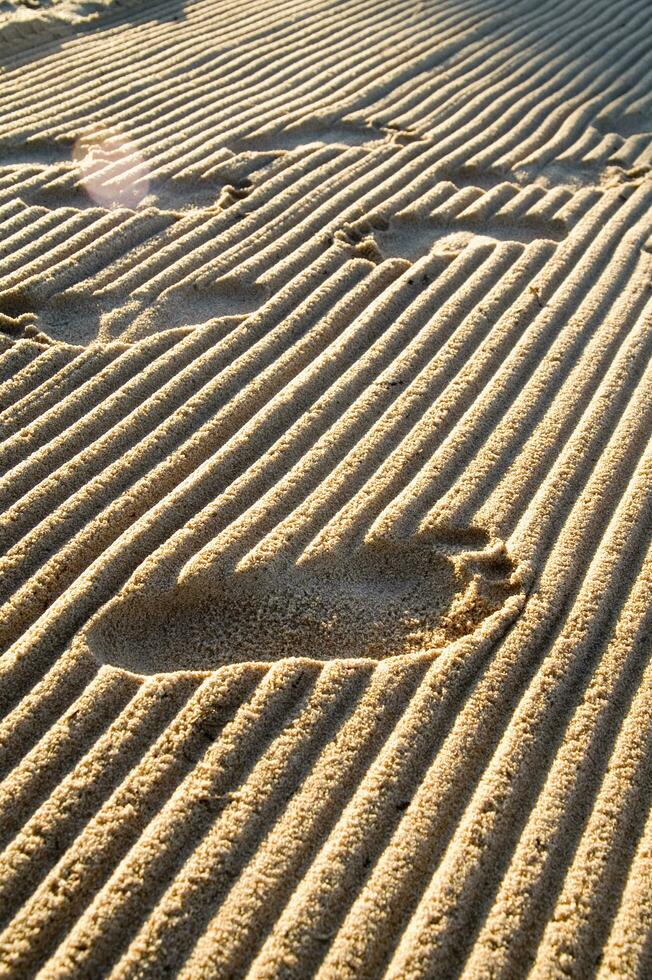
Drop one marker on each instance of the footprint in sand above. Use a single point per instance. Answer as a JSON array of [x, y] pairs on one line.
[[371, 602]]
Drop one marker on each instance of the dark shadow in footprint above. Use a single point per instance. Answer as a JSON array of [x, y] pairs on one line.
[[75, 322], [186, 306], [338, 133], [626, 125], [414, 238]]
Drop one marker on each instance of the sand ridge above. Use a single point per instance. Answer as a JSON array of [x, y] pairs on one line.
[[325, 510]]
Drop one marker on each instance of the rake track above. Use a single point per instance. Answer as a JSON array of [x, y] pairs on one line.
[[389, 281]]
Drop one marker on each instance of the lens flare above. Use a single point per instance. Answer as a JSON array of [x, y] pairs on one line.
[[113, 170]]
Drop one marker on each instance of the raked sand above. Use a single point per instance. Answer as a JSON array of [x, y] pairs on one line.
[[325, 336]]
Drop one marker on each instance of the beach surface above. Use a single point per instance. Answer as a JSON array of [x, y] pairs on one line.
[[326, 496]]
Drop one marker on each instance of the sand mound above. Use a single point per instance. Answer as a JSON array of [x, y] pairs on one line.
[[326, 498]]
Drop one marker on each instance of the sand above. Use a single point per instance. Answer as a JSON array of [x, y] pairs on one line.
[[326, 508]]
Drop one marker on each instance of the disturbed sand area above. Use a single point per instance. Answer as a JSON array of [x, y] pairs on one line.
[[325, 336]]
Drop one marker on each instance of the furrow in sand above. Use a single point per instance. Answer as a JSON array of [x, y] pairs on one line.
[[76, 57], [380, 505], [602, 815], [294, 107], [117, 60], [539, 525], [628, 945], [37, 231], [341, 514], [286, 189], [387, 192], [558, 113], [335, 392], [298, 225], [84, 254], [222, 937], [265, 505], [13, 211], [306, 311], [275, 62], [42, 921], [124, 274], [389, 369], [322, 899], [47, 366], [79, 366], [14, 359], [564, 380], [294, 62], [56, 422], [523, 83], [191, 239], [29, 182], [248, 814], [457, 926], [290, 207], [67, 238], [497, 94], [526, 476], [557, 301], [24, 383], [490, 57], [100, 765], [167, 357], [265, 348], [486, 835], [278, 856], [147, 533], [26, 719]]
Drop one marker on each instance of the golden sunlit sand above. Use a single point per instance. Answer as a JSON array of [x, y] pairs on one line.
[[326, 506]]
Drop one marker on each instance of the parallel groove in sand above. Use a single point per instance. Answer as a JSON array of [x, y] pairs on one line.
[[347, 360]]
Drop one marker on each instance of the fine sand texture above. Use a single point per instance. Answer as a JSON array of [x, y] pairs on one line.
[[326, 497]]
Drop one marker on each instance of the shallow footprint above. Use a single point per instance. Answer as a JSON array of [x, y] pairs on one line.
[[373, 602]]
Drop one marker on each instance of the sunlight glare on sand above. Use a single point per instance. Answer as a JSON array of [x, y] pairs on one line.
[[114, 172]]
